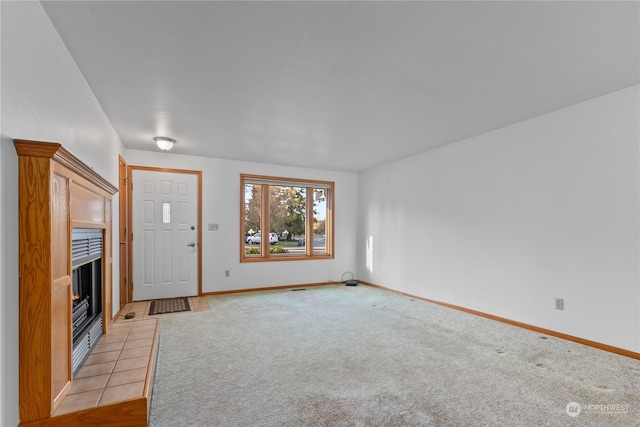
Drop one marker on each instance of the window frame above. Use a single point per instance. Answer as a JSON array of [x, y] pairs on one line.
[[309, 184]]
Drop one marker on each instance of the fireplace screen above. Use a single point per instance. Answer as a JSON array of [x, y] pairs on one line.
[[87, 294], [86, 313]]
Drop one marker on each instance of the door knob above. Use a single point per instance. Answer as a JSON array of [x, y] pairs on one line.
[[191, 245]]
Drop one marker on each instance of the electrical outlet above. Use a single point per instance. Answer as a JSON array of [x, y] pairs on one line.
[[559, 303], [227, 273], [213, 227]]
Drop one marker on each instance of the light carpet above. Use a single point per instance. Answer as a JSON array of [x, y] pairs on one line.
[[361, 356]]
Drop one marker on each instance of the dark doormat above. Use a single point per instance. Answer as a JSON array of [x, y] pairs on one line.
[[169, 305]]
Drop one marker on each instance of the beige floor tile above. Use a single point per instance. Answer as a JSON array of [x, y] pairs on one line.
[[122, 327], [117, 367], [134, 363], [78, 402], [145, 327], [146, 322], [111, 338], [135, 352], [97, 369], [82, 385], [119, 330], [107, 347], [109, 356], [122, 392], [126, 377], [141, 336], [200, 304], [137, 343]]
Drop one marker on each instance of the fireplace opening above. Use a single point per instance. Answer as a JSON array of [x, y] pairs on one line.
[[87, 295], [86, 312]]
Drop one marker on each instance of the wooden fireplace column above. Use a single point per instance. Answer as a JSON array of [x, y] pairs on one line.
[[57, 193]]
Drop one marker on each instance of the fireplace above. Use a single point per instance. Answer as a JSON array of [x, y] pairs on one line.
[[86, 312], [58, 192]]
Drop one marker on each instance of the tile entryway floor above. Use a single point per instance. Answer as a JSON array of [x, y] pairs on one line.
[[141, 308], [116, 369]]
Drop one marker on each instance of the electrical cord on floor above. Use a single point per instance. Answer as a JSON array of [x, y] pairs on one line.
[[350, 282]]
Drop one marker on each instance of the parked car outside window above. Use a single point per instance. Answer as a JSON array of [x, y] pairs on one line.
[[255, 239]]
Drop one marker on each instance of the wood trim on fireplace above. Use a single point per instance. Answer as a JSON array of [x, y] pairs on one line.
[[57, 192]]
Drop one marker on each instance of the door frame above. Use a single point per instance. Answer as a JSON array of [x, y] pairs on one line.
[[130, 237], [123, 227]]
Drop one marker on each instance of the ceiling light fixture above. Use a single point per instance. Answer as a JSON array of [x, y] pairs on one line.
[[164, 143]]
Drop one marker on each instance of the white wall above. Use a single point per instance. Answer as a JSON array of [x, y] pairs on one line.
[[221, 205], [44, 97], [505, 222]]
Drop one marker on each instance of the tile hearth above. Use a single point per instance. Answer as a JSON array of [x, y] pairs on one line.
[[117, 368]]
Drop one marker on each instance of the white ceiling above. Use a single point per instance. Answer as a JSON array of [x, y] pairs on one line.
[[341, 85]]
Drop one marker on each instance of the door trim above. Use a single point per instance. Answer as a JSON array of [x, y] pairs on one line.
[[198, 174], [123, 227]]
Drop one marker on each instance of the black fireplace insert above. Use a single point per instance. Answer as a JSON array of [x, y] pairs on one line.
[[86, 314]]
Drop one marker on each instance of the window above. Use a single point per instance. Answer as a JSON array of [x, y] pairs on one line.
[[166, 213], [285, 219]]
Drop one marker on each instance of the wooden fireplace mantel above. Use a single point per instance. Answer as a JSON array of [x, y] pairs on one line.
[[57, 192]]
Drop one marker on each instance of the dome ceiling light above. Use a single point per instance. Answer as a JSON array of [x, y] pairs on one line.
[[164, 143]]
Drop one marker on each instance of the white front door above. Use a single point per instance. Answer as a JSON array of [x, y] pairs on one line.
[[165, 232]]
